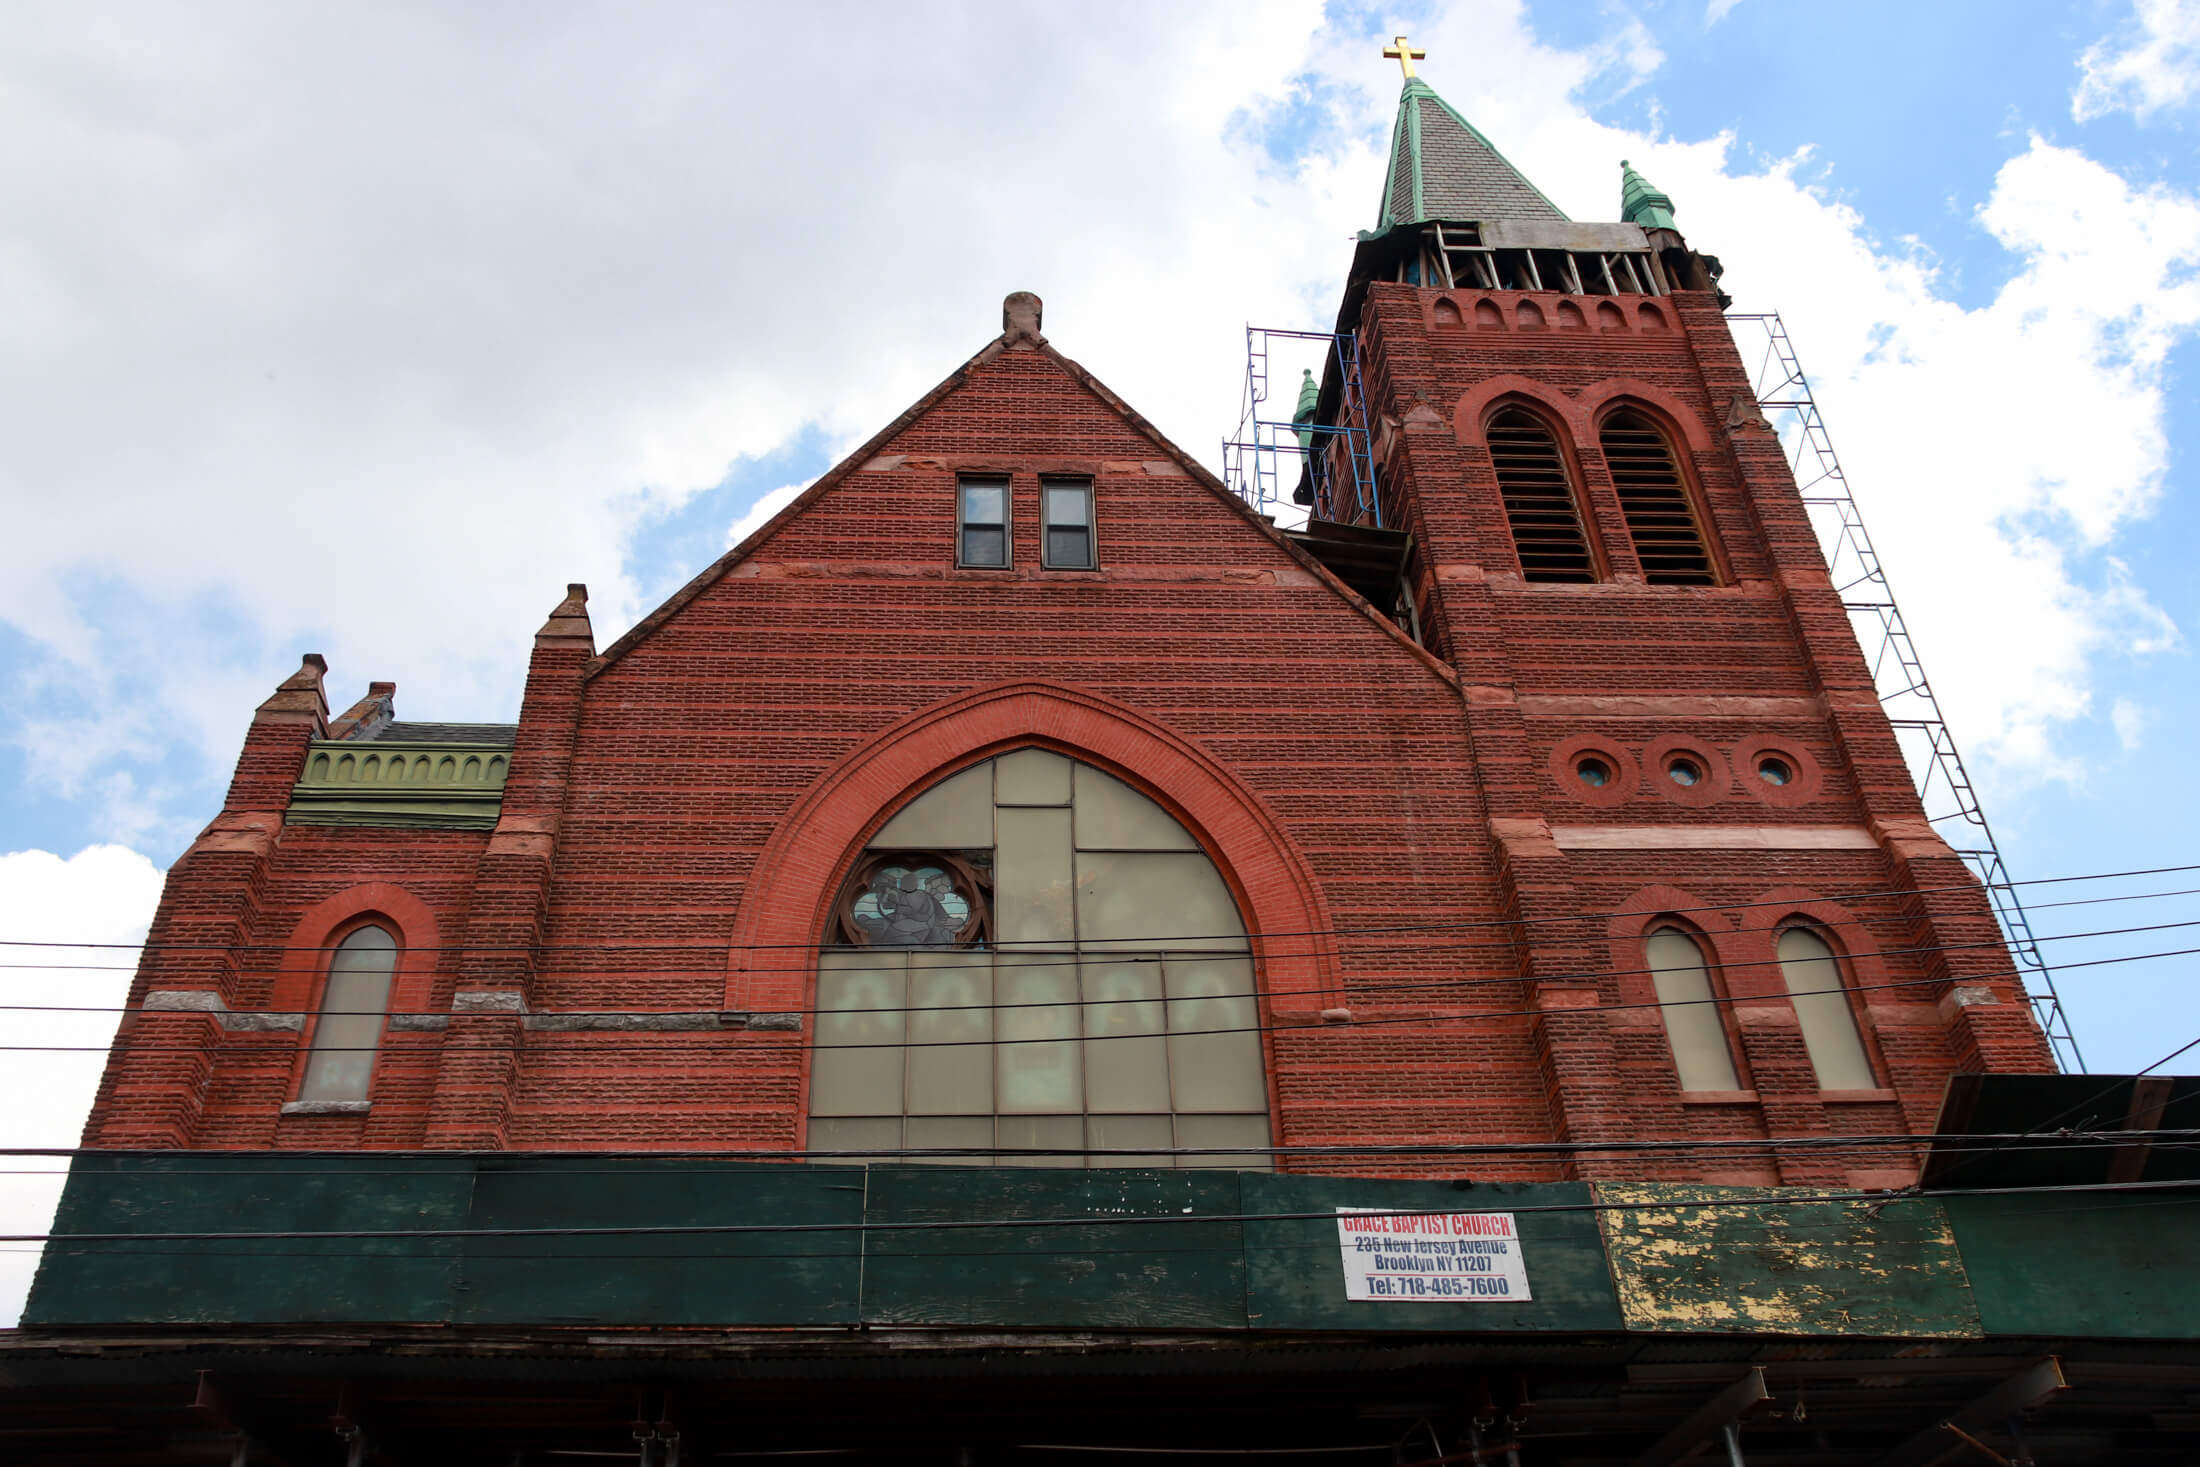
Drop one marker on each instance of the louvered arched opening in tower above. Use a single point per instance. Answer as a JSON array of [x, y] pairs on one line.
[[1660, 517], [1539, 499]]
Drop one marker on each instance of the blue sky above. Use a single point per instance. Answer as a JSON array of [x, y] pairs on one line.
[[365, 331]]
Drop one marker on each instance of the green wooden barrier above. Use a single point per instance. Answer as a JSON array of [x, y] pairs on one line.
[[2099, 1265], [1090, 1251], [1779, 1267], [261, 1282], [1181, 1274], [669, 1278]]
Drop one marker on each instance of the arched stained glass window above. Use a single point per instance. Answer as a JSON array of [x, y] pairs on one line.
[[1539, 499], [1821, 1002], [354, 1005], [1661, 518], [1033, 956], [1694, 1025]]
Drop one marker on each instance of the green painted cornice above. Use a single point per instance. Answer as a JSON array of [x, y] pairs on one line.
[[397, 784]]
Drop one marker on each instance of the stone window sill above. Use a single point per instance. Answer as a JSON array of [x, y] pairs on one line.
[[1718, 1097], [326, 1107], [1855, 1097]]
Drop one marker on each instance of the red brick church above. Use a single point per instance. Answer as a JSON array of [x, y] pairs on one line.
[[1521, 837]]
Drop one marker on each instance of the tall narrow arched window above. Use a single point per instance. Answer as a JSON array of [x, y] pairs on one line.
[[1821, 1002], [354, 1004], [1661, 518], [1539, 498], [1032, 956], [1694, 1027]]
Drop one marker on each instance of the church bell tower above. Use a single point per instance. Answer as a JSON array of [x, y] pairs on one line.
[[1567, 493]]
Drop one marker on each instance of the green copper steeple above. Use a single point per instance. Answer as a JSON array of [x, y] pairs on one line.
[[1441, 168], [1641, 204]]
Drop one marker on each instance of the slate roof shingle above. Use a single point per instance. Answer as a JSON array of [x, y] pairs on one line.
[[500, 734], [1442, 168]]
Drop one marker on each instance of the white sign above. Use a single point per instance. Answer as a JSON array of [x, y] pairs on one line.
[[1445, 1257]]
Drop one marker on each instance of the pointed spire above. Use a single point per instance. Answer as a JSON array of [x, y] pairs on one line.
[[1442, 168], [1640, 203]]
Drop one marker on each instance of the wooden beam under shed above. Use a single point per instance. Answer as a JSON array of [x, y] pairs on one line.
[[2149, 1096], [2013, 1397], [1708, 1421]]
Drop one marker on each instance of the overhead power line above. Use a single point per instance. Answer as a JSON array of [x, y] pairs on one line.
[[1387, 949], [1874, 894], [1162, 1219], [1063, 959], [1362, 984], [2046, 1127], [664, 1040], [283, 1162]]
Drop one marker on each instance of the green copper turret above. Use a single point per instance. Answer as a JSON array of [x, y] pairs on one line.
[[1639, 203], [1310, 396]]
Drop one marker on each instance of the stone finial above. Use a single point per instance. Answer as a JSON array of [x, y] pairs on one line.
[[1742, 414], [1020, 314], [301, 691], [365, 718], [569, 619]]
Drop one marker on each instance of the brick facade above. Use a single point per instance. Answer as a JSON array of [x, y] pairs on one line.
[[683, 804]]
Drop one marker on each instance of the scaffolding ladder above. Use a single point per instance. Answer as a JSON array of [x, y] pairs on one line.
[[1951, 802]]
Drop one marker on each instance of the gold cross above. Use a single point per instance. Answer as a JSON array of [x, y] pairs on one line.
[[1405, 53]]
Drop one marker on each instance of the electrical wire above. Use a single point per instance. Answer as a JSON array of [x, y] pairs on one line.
[[665, 1163], [1874, 894], [1364, 984], [1322, 1149], [1187, 1218], [662, 1041], [571, 972], [2044, 1128]]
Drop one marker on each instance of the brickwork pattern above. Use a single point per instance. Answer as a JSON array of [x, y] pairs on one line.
[[1449, 927]]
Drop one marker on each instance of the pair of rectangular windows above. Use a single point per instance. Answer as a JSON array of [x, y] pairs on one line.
[[982, 521]]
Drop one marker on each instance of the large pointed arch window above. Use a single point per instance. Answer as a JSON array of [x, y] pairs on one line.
[[1540, 504], [1033, 957], [1661, 518]]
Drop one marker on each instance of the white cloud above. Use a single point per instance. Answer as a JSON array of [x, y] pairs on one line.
[[2153, 65], [361, 334], [102, 894], [769, 503], [1627, 57], [2130, 721], [367, 334], [1997, 451], [1718, 10]]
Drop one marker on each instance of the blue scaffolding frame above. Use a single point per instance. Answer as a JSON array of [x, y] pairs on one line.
[[1252, 459]]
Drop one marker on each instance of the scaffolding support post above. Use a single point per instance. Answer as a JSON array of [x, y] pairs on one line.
[[1951, 802]]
